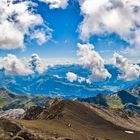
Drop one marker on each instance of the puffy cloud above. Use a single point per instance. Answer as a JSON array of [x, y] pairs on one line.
[[93, 61], [18, 19], [36, 64], [40, 36], [72, 77], [129, 71], [53, 4], [81, 79], [14, 66], [111, 16]]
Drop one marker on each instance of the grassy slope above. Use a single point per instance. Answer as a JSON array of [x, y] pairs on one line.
[[117, 100], [9, 100]]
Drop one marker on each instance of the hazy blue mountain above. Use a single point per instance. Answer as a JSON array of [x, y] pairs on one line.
[[54, 83]]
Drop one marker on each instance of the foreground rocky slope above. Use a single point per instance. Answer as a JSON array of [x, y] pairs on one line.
[[12, 113], [74, 120], [43, 118], [10, 130], [71, 120]]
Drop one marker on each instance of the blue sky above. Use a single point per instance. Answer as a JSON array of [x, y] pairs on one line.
[[63, 44], [65, 35], [46, 32]]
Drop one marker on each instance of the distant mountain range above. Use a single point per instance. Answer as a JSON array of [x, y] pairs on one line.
[[10, 100], [127, 99], [54, 83]]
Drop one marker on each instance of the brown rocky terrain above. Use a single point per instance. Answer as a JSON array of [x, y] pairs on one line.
[[73, 120], [10, 130]]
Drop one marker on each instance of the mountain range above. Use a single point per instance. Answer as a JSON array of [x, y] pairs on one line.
[[55, 84], [114, 116], [126, 99], [10, 100]]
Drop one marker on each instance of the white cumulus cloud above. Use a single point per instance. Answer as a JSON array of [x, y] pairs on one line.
[[40, 36], [37, 64], [53, 4], [71, 76], [112, 16], [129, 71], [14, 66], [18, 19], [93, 61]]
